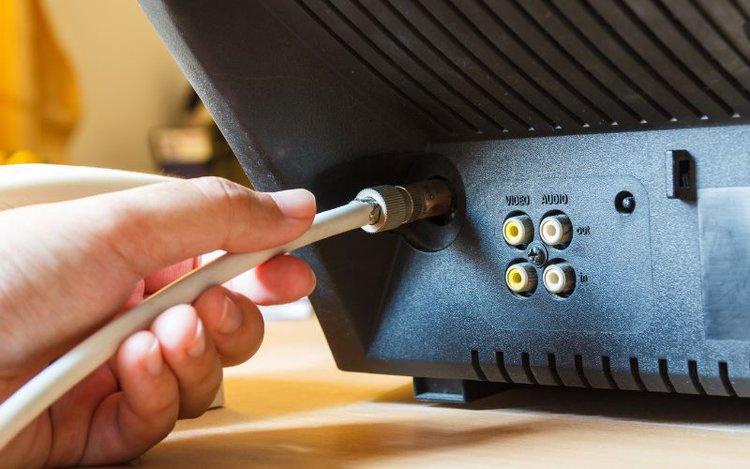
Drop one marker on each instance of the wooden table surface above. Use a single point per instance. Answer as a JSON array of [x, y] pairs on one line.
[[290, 407]]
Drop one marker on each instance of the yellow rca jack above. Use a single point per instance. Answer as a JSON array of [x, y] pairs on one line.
[[559, 279], [521, 278], [556, 230], [518, 230]]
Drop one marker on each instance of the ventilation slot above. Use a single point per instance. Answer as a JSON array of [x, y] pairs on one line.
[[607, 370], [724, 375], [500, 69], [477, 367], [576, 70], [656, 111], [579, 370], [433, 63], [444, 35], [636, 29], [552, 363], [714, 70], [503, 27], [493, 56], [664, 373], [694, 377], [526, 364], [406, 88], [636, 374], [500, 360]]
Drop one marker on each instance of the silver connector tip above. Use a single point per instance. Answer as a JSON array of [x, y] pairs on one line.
[[404, 204]]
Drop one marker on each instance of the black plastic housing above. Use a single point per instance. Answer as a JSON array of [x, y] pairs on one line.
[[533, 106]]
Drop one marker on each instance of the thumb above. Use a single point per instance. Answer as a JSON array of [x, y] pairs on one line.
[[156, 226]]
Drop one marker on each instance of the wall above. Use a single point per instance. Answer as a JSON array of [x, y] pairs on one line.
[[127, 80]]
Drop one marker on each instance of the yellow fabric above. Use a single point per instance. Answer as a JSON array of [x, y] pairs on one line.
[[38, 98], [24, 157]]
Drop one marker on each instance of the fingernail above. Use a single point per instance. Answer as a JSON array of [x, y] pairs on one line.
[[295, 203], [231, 317], [314, 283], [154, 363], [198, 346]]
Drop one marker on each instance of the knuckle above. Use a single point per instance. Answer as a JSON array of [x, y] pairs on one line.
[[219, 189], [232, 200]]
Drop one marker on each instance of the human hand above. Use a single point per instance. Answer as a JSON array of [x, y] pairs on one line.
[[69, 267]]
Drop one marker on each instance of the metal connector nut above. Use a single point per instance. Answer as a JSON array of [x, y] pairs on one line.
[[408, 203]]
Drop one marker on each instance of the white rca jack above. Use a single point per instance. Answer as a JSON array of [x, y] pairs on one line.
[[556, 230], [518, 230], [521, 278], [559, 279]]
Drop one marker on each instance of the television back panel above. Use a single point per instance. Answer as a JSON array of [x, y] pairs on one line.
[[629, 117]]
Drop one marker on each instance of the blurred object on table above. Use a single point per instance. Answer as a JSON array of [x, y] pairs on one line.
[[195, 148]]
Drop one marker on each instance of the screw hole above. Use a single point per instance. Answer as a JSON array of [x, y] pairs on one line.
[[625, 202]]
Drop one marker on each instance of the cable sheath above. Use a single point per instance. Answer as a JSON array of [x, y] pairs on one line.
[[28, 184]]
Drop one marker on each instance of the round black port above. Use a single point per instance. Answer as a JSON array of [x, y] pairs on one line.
[[434, 234], [625, 202]]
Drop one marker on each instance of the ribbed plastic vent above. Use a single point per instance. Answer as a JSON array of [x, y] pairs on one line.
[[512, 371], [510, 68]]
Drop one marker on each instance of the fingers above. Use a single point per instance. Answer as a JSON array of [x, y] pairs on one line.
[[129, 422], [172, 371], [233, 322], [191, 356], [162, 224], [281, 280], [167, 275]]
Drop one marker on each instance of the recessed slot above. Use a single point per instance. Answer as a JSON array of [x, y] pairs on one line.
[[684, 169], [681, 176]]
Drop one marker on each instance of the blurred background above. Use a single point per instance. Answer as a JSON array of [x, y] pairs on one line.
[[88, 82]]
